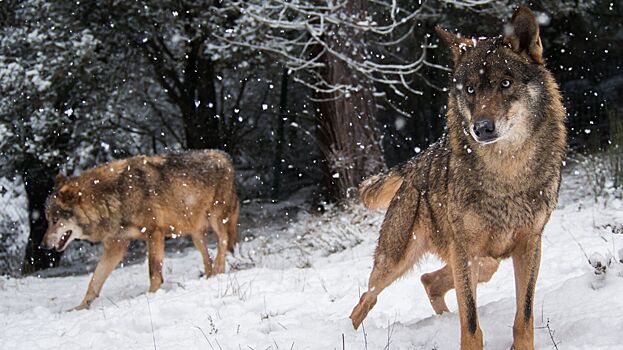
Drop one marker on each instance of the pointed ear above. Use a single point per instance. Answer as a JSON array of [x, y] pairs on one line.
[[59, 180], [457, 44], [522, 34], [68, 194]]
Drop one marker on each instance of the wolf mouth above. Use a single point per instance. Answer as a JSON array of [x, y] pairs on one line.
[[488, 142], [63, 241], [480, 141]]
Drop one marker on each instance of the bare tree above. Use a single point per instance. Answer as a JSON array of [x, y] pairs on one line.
[[347, 132], [341, 50]]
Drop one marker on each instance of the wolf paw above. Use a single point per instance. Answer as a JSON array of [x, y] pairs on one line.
[[83, 306], [366, 303]]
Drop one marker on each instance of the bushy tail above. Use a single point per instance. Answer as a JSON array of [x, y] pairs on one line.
[[377, 191]]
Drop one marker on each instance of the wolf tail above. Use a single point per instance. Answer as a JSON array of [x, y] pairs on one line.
[[377, 191]]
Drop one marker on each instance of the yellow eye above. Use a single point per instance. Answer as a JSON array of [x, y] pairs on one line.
[[505, 83]]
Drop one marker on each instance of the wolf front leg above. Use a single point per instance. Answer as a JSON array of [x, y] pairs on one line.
[[114, 251], [526, 261], [155, 255], [465, 281]]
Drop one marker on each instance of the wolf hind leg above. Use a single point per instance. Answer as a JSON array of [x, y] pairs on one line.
[[155, 255], [384, 273], [114, 251], [398, 247], [199, 240], [223, 243], [439, 282], [232, 227]]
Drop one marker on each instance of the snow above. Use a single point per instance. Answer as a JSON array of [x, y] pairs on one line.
[[293, 285], [13, 226]]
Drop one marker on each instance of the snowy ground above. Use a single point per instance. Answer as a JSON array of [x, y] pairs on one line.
[[293, 287]]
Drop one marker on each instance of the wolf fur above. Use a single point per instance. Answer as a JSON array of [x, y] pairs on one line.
[[146, 198], [486, 189]]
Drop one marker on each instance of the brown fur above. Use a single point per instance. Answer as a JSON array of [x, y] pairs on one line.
[[473, 203], [377, 191], [147, 198]]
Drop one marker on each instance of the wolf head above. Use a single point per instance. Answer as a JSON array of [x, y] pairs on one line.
[[498, 83], [63, 223]]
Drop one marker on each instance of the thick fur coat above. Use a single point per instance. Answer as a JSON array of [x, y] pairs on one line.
[[146, 198], [486, 189]]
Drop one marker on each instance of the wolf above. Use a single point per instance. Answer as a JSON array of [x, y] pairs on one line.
[[146, 198], [485, 190]]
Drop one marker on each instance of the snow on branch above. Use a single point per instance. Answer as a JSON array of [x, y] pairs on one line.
[[468, 3], [359, 34]]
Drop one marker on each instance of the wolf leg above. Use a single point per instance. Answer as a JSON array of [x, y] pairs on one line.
[[465, 281], [155, 255], [398, 248], [439, 282], [232, 227], [488, 267], [526, 261], [223, 242], [114, 251], [384, 273], [199, 240]]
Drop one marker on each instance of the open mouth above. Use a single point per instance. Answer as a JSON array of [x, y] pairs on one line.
[[63, 241]]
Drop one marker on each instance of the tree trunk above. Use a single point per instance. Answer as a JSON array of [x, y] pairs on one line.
[[346, 129], [39, 183], [201, 121], [280, 136]]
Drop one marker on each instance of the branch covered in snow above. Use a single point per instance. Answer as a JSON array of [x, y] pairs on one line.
[[301, 33]]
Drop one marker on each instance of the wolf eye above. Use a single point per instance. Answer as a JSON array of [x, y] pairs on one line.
[[505, 83], [470, 90]]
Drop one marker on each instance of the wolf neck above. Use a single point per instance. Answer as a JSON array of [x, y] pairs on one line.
[[506, 160]]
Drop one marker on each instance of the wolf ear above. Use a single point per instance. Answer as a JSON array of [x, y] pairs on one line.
[[522, 34], [59, 180], [67, 194], [457, 44]]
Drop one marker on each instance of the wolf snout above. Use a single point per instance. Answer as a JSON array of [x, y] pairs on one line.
[[484, 130]]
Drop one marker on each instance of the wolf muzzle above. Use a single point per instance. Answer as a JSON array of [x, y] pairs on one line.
[[484, 130]]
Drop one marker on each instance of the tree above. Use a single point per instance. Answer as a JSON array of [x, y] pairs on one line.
[[88, 82], [45, 110], [342, 51], [347, 131], [177, 44]]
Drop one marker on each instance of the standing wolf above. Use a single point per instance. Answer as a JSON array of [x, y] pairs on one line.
[[485, 190], [147, 198]]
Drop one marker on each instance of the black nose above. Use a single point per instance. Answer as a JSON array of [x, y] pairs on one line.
[[484, 129]]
